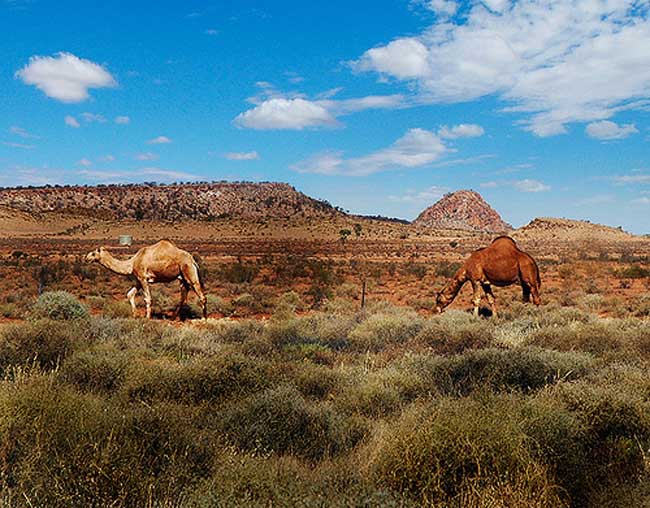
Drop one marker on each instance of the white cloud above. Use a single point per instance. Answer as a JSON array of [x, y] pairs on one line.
[[211, 31], [275, 109], [429, 195], [122, 120], [555, 62], [160, 140], [18, 145], [93, 117], [630, 179], [463, 130], [403, 58], [348, 106], [416, 148], [598, 199], [496, 5], [71, 121], [138, 175], [19, 131], [107, 158], [442, 7], [644, 200], [147, 156], [282, 113], [65, 77], [529, 185], [85, 162], [489, 185], [242, 156], [607, 130]]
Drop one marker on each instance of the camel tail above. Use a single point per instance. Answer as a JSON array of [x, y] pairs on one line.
[[199, 275]]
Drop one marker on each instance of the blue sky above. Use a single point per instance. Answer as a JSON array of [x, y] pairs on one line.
[[379, 107]]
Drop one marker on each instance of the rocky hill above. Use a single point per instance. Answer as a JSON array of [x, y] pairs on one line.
[[550, 228], [200, 201], [465, 210]]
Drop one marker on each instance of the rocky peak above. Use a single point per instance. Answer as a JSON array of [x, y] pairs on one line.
[[465, 210]]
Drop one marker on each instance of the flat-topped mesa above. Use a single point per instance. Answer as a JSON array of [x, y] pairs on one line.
[[465, 210], [176, 202]]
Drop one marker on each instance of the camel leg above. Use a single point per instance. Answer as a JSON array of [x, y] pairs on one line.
[[184, 291], [534, 291], [131, 296], [487, 289], [476, 298], [191, 277], [146, 290], [526, 292]]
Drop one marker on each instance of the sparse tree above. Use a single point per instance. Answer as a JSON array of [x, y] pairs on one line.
[[357, 229], [343, 235]]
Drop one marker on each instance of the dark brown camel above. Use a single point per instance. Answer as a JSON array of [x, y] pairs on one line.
[[500, 264], [161, 262]]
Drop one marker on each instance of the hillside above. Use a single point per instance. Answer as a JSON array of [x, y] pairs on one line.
[[465, 210], [201, 201], [550, 228]]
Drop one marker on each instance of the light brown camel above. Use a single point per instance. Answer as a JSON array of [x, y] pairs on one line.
[[161, 262], [499, 264]]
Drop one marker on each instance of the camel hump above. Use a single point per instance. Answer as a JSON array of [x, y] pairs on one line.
[[504, 238]]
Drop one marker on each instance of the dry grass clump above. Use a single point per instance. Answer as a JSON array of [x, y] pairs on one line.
[[497, 369], [602, 337], [201, 379], [44, 343], [383, 330], [279, 480], [99, 369], [372, 407], [382, 392], [62, 448], [281, 421], [573, 445], [459, 452], [454, 332]]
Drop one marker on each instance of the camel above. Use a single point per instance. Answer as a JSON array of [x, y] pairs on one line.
[[161, 262], [499, 264]]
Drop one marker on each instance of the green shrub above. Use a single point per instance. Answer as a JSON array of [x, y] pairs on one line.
[[42, 342], [281, 421], [60, 306]]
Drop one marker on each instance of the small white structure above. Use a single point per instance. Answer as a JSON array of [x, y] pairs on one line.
[[125, 240]]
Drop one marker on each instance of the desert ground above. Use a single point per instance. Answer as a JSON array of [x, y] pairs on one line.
[[292, 394]]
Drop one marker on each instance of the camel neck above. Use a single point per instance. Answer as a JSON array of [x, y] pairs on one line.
[[117, 265]]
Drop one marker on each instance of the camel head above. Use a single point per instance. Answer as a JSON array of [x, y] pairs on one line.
[[94, 255]]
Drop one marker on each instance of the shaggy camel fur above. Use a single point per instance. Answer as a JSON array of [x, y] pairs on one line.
[[161, 262], [499, 264]]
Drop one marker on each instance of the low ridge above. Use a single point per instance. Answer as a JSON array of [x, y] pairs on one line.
[[175, 202], [465, 210], [551, 228]]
